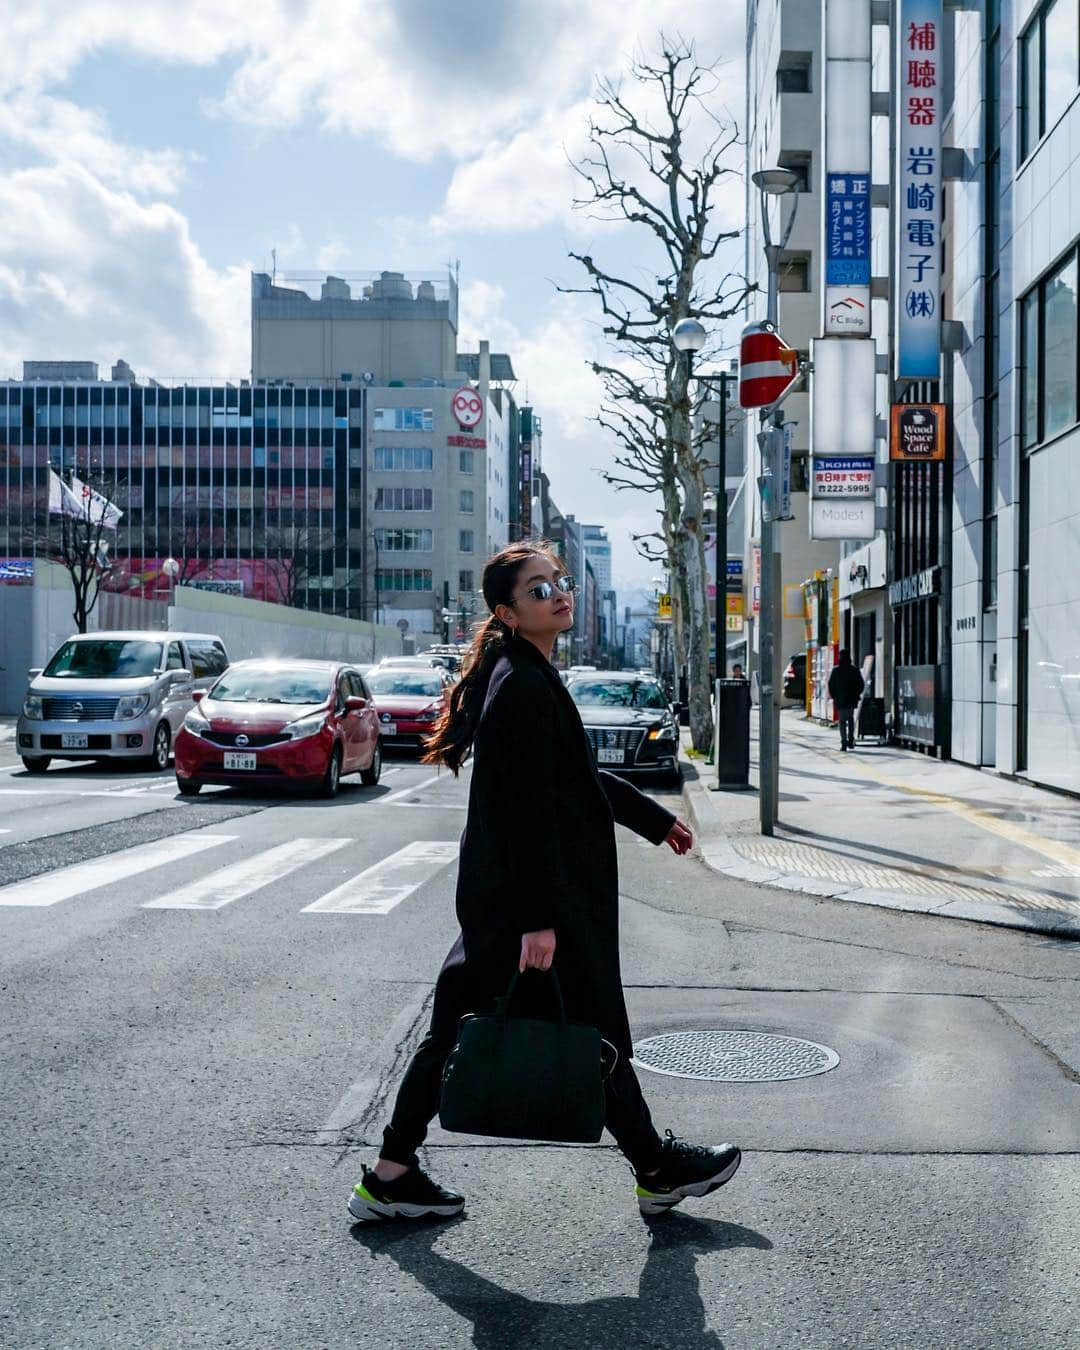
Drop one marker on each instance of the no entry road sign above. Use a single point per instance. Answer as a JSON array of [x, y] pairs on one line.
[[766, 366]]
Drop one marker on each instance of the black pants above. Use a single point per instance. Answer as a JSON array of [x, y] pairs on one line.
[[626, 1117], [847, 726]]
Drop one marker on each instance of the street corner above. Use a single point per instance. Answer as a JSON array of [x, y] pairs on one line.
[[728, 841]]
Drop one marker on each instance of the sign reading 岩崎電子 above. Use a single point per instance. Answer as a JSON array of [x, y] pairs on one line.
[[918, 189]]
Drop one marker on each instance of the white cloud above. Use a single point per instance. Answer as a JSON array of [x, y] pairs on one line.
[[63, 132], [87, 272]]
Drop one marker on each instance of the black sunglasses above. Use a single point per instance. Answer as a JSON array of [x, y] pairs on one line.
[[544, 590]]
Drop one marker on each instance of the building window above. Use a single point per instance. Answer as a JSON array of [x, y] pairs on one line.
[[1049, 69], [465, 541], [1049, 355], [465, 580], [798, 161], [465, 461], [398, 458], [403, 499], [465, 501], [404, 540], [403, 579], [793, 73], [402, 419], [794, 272]]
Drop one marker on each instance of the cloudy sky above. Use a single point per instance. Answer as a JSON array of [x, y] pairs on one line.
[[152, 155]]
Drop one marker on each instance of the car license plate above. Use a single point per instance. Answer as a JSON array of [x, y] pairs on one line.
[[236, 761], [610, 756], [388, 729], [73, 740]]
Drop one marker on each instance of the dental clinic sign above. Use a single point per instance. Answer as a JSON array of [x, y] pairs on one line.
[[918, 178]]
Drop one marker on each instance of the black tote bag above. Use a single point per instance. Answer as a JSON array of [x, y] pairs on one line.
[[525, 1078]]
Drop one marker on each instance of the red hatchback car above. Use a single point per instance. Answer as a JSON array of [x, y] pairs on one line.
[[283, 722], [409, 700]]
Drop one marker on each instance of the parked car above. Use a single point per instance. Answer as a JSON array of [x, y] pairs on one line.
[[629, 722], [409, 701], [795, 677], [121, 695], [287, 723]]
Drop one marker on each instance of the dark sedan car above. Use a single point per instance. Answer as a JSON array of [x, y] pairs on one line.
[[629, 723]]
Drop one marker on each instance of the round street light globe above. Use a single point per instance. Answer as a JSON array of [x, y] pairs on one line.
[[688, 335], [170, 567], [776, 182]]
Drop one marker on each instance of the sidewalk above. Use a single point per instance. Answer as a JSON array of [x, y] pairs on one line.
[[883, 826]]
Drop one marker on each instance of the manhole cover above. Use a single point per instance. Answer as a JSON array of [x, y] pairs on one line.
[[734, 1056]]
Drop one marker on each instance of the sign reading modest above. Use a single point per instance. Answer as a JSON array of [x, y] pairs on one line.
[[917, 431], [918, 189], [843, 476], [847, 229], [841, 518]]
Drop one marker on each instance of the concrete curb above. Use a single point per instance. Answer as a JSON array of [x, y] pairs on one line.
[[718, 853]]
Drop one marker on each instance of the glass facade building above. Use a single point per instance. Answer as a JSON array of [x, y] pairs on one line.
[[259, 490]]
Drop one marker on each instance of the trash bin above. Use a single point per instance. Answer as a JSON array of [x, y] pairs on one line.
[[871, 721], [732, 734]]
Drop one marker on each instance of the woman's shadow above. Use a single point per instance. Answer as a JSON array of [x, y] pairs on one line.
[[668, 1309]]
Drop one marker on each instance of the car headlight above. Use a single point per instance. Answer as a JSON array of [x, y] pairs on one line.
[[132, 705], [429, 714], [32, 707], [196, 722], [665, 732], [305, 726]]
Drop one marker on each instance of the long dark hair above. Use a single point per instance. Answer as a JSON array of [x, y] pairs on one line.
[[453, 733]]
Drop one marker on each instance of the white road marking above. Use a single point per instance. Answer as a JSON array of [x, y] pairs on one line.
[[249, 874], [381, 887], [65, 882], [73, 792], [407, 792]]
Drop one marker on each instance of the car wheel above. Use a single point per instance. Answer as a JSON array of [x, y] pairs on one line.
[[36, 765], [188, 787], [158, 758], [369, 777], [332, 778]]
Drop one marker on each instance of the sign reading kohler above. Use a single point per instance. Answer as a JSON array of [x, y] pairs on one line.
[[918, 191]]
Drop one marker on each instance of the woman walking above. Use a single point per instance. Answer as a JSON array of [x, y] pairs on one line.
[[537, 886]]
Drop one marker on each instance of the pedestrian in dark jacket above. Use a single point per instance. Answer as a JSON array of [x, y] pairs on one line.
[[845, 690], [537, 887]]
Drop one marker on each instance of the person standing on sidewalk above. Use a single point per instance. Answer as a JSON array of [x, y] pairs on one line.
[[845, 690], [537, 886]]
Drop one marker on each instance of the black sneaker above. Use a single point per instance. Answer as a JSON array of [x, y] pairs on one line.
[[412, 1196], [685, 1170]]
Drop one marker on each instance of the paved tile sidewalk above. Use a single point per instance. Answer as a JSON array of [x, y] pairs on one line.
[[887, 827]]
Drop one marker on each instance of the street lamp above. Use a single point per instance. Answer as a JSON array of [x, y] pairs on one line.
[[771, 183], [688, 337]]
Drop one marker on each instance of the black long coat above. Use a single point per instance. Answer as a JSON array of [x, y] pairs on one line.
[[538, 850]]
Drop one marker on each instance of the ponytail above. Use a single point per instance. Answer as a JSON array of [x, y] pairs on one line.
[[453, 733]]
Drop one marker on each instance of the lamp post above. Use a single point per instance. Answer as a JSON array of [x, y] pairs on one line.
[[171, 568], [771, 183]]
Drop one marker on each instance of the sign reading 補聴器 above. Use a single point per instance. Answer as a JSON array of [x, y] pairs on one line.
[[918, 189]]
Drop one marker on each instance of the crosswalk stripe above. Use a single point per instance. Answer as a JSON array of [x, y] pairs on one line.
[[249, 874], [52, 887], [381, 887]]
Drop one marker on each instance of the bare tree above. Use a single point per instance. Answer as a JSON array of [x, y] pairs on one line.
[[80, 530], [638, 170]]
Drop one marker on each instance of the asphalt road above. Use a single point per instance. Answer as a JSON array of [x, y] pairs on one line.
[[206, 1005]]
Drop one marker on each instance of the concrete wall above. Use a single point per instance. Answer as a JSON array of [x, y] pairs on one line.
[[36, 619], [255, 628]]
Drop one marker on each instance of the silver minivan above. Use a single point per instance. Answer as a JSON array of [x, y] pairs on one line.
[[115, 695]]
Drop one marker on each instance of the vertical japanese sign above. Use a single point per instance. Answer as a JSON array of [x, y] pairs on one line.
[[918, 179], [847, 254]]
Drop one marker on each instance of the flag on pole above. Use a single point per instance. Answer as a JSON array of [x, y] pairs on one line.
[[81, 501]]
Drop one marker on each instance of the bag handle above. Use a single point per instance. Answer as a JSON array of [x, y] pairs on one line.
[[502, 1005]]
